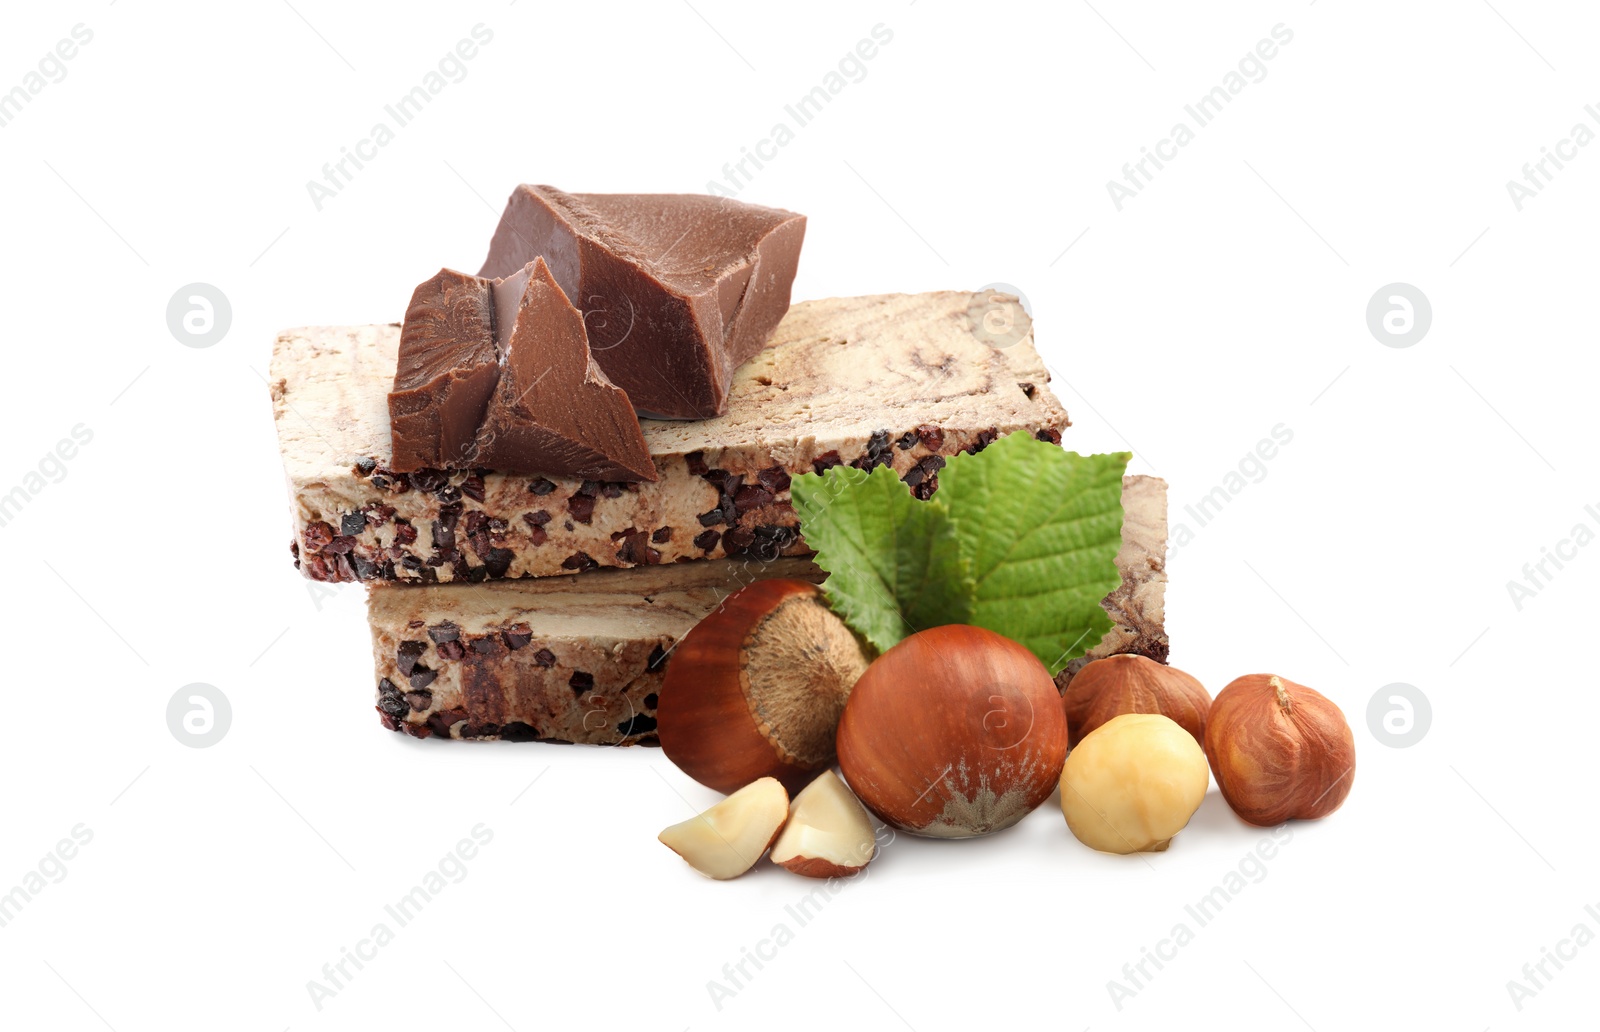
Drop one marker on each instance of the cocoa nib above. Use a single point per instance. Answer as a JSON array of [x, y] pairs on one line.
[[826, 461], [407, 654], [581, 507], [662, 535], [352, 523], [984, 439], [404, 532], [420, 701], [441, 723], [752, 496], [390, 702], [879, 452], [1049, 434], [696, 461], [932, 437], [318, 535], [545, 658], [1028, 389], [774, 479], [541, 486], [473, 488], [579, 561], [421, 676], [706, 541], [638, 724], [923, 478]]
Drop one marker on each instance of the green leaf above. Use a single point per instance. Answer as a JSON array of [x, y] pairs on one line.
[[1021, 539], [894, 563], [1040, 528]]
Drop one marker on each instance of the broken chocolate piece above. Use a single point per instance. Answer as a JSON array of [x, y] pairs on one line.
[[554, 410], [676, 290], [447, 371]]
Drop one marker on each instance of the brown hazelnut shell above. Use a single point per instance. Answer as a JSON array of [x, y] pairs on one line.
[[1279, 750], [755, 689], [1129, 683]]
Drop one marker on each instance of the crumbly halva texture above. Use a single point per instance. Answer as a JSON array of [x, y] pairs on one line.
[[901, 380], [581, 659]]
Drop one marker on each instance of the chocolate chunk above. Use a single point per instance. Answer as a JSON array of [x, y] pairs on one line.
[[352, 523], [1048, 434], [429, 481], [390, 701], [581, 682], [707, 540], [878, 452], [447, 371], [554, 410], [443, 632], [651, 700], [537, 518], [421, 677], [419, 701], [498, 561], [517, 636], [541, 486], [774, 479], [1028, 389], [658, 659], [545, 658], [696, 461], [662, 535], [678, 290], [451, 650], [826, 461], [366, 466], [932, 437], [473, 488], [407, 654]]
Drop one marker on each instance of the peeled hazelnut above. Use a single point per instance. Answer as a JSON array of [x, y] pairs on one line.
[[1280, 751], [1122, 684], [1133, 783], [756, 688], [828, 835], [727, 840], [952, 733]]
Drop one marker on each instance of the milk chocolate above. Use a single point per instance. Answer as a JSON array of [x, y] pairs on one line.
[[553, 410], [676, 290], [497, 374], [446, 372]]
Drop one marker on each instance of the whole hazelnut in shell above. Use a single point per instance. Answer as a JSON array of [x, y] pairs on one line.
[[954, 732], [1122, 684], [1280, 751]]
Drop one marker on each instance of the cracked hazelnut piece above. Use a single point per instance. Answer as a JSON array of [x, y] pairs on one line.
[[828, 834], [728, 839], [1122, 684], [954, 732], [756, 688], [1133, 783]]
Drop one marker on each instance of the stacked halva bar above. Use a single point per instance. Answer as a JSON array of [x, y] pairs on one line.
[[522, 606]]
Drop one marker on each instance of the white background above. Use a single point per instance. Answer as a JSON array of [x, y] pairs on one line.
[[1226, 298]]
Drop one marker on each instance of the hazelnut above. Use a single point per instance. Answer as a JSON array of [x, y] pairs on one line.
[[1122, 684], [1280, 750], [756, 688], [727, 840], [828, 835], [952, 733], [1133, 783]]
